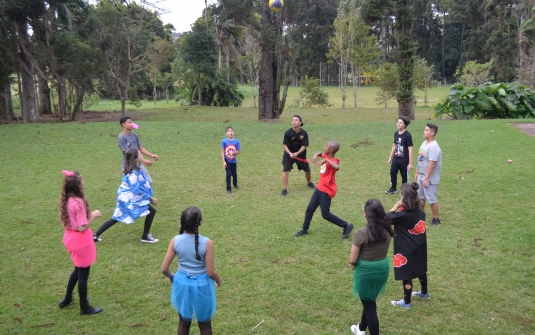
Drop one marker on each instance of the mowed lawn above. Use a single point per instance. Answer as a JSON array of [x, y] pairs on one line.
[[481, 263]]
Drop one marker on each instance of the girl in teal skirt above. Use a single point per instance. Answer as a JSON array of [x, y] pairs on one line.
[[370, 264], [193, 292]]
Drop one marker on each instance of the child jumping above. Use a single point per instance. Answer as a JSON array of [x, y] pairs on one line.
[[230, 147], [76, 216], [400, 158], [325, 191], [133, 198], [193, 292]]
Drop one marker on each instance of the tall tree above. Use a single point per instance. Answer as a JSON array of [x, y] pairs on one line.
[[160, 53], [199, 53], [404, 57], [124, 33], [7, 66]]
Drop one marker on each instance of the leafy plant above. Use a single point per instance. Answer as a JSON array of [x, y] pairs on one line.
[[388, 83], [474, 74], [217, 92], [489, 101], [312, 94]]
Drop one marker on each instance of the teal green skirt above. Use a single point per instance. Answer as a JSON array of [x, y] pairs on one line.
[[369, 278]]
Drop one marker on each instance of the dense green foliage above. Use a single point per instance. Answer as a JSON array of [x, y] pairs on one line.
[[490, 101], [216, 92]]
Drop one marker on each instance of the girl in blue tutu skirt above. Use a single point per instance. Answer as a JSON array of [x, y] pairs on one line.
[[134, 197], [193, 292]]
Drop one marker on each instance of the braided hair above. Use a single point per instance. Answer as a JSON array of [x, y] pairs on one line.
[[379, 224], [189, 222]]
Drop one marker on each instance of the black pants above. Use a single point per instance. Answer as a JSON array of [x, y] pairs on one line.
[[369, 317], [148, 223], [231, 172], [394, 168], [322, 200], [80, 276]]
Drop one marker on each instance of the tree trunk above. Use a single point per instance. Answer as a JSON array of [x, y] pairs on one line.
[[80, 92], [406, 108], [29, 113], [6, 103], [265, 80], [199, 92], [45, 106], [228, 63], [404, 57]]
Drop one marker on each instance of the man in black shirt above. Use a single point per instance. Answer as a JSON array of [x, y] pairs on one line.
[[295, 151]]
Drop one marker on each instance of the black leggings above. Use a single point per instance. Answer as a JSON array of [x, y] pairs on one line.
[[407, 292], [80, 276], [183, 327], [148, 223], [369, 317]]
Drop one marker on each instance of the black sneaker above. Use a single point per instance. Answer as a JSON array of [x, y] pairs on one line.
[[435, 221], [311, 185], [147, 238], [236, 187], [64, 303], [284, 192], [96, 239], [229, 191], [347, 230], [391, 191], [301, 233], [90, 310]]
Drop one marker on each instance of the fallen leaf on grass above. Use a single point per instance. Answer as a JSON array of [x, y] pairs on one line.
[[163, 318], [465, 172], [43, 325], [18, 306], [17, 318], [476, 242]]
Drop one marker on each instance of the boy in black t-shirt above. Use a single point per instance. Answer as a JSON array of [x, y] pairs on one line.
[[295, 151], [401, 155]]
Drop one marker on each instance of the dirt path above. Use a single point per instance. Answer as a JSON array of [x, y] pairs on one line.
[[528, 128]]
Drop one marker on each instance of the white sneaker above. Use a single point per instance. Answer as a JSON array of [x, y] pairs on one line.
[[356, 330]]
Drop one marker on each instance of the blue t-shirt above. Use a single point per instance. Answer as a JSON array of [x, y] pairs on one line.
[[185, 250], [230, 146]]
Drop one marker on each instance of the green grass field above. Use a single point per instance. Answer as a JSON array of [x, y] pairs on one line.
[[481, 263]]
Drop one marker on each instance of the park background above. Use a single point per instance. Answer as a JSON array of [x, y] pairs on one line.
[[480, 258]]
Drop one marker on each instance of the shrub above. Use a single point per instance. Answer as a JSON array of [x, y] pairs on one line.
[[490, 101], [312, 94], [217, 92]]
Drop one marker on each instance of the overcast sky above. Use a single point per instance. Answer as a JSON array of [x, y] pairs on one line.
[[181, 13]]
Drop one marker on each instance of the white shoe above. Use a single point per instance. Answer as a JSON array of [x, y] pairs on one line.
[[356, 330]]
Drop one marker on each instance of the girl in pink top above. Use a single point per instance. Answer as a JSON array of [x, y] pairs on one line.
[[76, 216]]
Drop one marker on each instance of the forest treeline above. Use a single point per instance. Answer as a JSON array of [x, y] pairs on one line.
[[58, 56]]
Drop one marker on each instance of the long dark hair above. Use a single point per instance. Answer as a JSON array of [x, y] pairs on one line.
[[72, 187], [409, 196], [189, 222], [131, 162], [379, 223]]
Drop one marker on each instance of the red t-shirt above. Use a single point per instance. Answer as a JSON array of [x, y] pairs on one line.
[[327, 183]]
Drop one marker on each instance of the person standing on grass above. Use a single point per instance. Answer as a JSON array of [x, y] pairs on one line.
[[76, 217], [230, 147], [400, 159], [295, 145], [129, 140], [133, 198], [325, 191], [368, 259], [428, 171], [410, 244], [193, 292]]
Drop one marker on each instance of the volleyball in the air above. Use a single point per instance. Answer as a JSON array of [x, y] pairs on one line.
[[276, 5]]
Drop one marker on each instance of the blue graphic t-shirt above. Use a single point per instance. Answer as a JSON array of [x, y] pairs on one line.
[[230, 147]]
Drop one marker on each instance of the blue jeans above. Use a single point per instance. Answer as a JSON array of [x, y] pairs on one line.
[[231, 172], [322, 200]]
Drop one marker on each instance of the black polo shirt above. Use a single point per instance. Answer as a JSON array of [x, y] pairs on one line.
[[295, 140]]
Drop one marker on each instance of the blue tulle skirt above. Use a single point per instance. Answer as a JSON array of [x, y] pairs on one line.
[[193, 296]]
